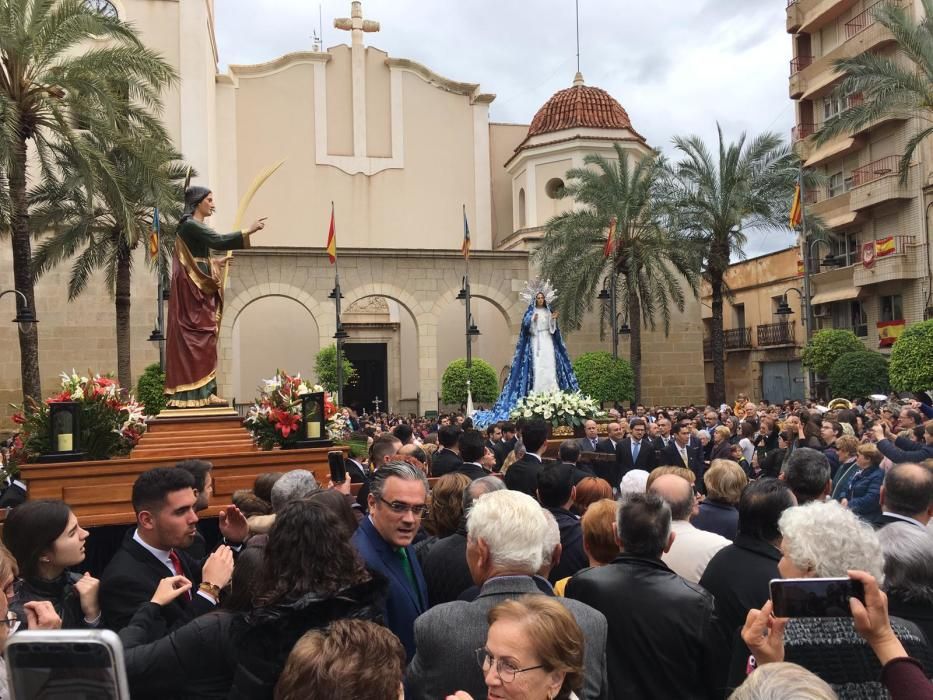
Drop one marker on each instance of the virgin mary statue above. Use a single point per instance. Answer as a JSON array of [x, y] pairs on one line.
[[540, 363]]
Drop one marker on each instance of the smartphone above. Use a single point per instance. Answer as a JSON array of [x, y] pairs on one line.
[[814, 597], [74, 664], [338, 469]]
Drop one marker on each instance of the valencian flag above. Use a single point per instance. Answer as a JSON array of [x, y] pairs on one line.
[[610, 239], [465, 248], [796, 208], [889, 332], [154, 235], [332, 237]]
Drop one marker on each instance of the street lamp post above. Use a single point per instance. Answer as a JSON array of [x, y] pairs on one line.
[[470, 329], [339, 336], [23, 313]]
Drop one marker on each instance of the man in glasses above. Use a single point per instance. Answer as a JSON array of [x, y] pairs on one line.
[[397, 502]]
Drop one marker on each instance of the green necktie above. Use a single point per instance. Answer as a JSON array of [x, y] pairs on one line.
[[409, 573]]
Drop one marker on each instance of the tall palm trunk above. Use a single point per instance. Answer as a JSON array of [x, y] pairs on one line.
[[716, 341], [122, 307], [634, 315], [22, 273]]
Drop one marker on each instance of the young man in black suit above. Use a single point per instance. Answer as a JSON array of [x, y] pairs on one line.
[[635, 451], [446, 459], [164, 502], [523, 474], [680, 453], [472, 449]]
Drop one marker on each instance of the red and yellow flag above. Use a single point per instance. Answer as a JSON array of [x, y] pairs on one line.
[[610, 239], [332, 237], [889, 332], [465, 246], [796, 208], [884, 246]]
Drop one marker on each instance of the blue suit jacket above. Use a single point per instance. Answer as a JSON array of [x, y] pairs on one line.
[[402, 603]]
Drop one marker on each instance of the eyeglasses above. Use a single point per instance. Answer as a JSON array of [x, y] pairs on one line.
[[10, 621], [504, 669], [418, 511]]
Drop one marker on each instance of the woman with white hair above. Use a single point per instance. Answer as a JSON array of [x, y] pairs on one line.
[[824, 540]]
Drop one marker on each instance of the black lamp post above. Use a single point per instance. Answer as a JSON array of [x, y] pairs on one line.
[[339, 336], [23, 313], [471, 330], [608, 295]]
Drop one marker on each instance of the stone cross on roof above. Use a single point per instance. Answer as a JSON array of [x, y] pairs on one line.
[[355, 24]]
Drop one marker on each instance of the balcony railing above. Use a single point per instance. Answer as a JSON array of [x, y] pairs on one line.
[[737, 338], [771, 334], [875, 170], [799, 63], [865, 19], [802, 131], [854, 100]]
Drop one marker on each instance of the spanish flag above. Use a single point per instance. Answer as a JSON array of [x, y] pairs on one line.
[[800, 269], [332, 237], [610, 239], [796, 208], [884, 246], [889, 332], [154, 235], [465, 248]]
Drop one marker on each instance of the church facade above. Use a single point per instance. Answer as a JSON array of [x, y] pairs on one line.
[[401, 154]]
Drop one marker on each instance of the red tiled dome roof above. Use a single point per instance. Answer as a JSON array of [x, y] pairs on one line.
[[579, 106]]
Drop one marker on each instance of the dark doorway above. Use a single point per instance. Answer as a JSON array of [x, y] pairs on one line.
[[371, 365]]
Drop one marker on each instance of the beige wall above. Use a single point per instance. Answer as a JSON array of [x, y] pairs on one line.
[[503, 138]]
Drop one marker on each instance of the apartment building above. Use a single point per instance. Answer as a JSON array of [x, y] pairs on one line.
[[762, 345], [879, 227]]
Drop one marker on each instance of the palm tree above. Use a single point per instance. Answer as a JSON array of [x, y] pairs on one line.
[[92, 228], [885, 86], [717, 202], [648, 260], [46, 76]]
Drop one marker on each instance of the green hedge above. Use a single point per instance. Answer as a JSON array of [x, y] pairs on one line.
[[605, 378], [325, 368], [858, 374], [484, 382], [827, 346], [150, 390], [911, 366]]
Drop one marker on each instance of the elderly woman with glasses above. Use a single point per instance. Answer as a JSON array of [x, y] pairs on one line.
[[533, 651]]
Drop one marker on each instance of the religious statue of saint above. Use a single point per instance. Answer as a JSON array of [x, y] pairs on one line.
[[540, 363], [196, 303]]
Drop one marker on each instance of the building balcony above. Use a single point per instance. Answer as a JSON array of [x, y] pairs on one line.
[[774, 334], [879, 182], [802, 131], [810, 15], [737, 338], [794, 16], [895, 258], [866, 19]]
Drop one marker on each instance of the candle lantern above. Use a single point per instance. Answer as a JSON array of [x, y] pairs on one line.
[[64, 432], [313, 422]]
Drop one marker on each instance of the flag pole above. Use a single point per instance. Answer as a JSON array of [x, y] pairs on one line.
[[808, 306], [340, 334], [469, 339]]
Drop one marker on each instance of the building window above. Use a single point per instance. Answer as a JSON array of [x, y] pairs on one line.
[[836, 184], [554, 188], [891, 308], [845, 248], [859, 318], [738, 315], [521, 208]]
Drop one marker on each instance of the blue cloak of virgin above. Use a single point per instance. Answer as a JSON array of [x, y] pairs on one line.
[[521, 377]]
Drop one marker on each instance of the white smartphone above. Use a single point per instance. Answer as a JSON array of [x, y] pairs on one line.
[[73, 664]]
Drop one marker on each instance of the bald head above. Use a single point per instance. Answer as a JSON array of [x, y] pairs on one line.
[[908, 490], [677, 492]]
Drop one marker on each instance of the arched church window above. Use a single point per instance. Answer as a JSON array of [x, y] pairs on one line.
[[521, 208], [554, 187], [104, 7]]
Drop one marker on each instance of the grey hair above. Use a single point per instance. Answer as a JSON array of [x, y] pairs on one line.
[[398, 469], [480, 487], [908, 562], [513, 526], [293, 485], [551, 539], [828, 540], [781, 680]]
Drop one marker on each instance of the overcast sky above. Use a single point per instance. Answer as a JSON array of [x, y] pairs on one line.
[[677, 66]]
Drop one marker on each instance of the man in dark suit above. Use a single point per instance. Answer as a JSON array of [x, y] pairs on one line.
[[906, 495], [664, 436], [556, 493], [448, 635], [523, 474], [445, 566], [635, 452], [663, 616], [446, 459], [590, 442], [610, 470], [472, 448], [509, 438], [569, 454], [397, 501], [680, 453], [164, 502]]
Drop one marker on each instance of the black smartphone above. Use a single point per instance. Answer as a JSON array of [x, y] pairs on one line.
[[814, 597], [338, 469], [74, 664]]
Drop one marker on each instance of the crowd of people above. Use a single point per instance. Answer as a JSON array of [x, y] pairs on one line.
[[459, 563]]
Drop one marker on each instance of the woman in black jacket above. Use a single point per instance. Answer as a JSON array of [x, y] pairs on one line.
[[311, 576], [46, 540]]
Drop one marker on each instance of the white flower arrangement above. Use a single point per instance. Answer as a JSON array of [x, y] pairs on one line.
[[558, 407]]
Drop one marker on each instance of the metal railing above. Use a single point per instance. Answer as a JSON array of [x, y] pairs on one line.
[[865, 19], [802, 131], [770, 334], [875, 170], [737, 338], [798, 63]]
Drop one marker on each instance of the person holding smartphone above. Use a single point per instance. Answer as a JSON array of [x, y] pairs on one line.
[[46, 540]]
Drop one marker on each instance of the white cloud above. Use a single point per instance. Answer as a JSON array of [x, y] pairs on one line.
[[676, 67]]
